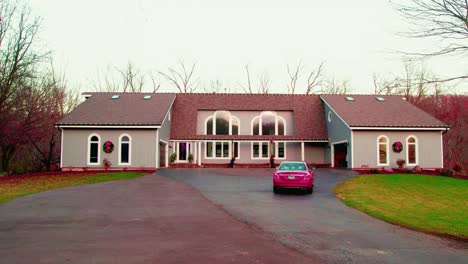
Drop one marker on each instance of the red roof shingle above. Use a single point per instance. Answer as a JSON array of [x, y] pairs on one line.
[[307, 110], [128, 109], [393, 111]]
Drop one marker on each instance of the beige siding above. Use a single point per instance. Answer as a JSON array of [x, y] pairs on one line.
[[428, 149], [75, 147]]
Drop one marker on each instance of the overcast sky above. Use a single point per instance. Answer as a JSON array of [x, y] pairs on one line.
[[355, 38]]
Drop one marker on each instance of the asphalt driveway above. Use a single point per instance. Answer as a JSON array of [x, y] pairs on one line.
[[144, 220], [319, 224]]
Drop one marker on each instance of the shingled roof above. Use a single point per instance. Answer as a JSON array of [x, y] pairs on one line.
[[389, 111], [129, 109], [307, 110]]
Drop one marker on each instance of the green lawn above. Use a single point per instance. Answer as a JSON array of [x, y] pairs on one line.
[[428, 203], [11, 188]]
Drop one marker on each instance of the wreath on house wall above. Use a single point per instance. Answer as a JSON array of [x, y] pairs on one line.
[[108, 147], [397, 147]]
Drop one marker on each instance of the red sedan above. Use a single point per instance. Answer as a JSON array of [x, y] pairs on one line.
[[293, 174]]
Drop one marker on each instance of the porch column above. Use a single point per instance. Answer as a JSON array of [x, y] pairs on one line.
[[199, 153], [302, 151], [157, 149], [195, 152], [167, 154]]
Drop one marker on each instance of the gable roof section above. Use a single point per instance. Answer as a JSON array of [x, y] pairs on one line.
[[308, 114], [393, 111], [130, 109]]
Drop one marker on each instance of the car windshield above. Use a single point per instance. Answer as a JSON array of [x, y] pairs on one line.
[[292, 167]]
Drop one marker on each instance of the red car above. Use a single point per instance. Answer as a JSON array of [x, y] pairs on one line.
[[293, 174]]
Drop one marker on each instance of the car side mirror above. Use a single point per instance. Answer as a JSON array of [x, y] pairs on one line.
[[312, 168]]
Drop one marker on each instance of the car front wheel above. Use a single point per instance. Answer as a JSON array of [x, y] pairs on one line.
[[310, 190]]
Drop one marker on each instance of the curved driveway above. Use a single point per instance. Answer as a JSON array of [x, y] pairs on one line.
[[144, 220], [318, 224]]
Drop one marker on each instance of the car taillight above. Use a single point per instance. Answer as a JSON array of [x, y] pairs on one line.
[[276, 176]]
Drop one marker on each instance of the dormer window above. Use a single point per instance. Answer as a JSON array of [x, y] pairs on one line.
[[268, 123], [222, 123]]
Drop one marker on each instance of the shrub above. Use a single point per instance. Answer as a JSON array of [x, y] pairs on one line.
[[107, 164], [173, 157], [446, 172], [190, 157], [374, 170], [400, 163]]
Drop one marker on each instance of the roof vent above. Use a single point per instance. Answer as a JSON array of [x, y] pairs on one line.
[[86, 96], [115, 97], [380, 99], [349, 98], [147, 97]]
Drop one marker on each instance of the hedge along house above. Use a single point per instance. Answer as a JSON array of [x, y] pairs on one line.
[[131, 130], [368, 131], [155, 130]]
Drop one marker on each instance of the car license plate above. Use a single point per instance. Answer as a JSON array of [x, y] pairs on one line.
[[291, 177]]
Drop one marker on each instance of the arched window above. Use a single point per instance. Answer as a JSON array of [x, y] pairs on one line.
[[382, 151], [268, 123], [411, 151], [125, 150], [222, 123], [93, 149]]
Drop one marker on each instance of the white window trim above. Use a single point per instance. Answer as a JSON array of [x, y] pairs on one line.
[[387, 151], [238, 124], [213, 150], [129, 149], [231, 117], [177, 144], [260, 123], [277, 150], [88, 162], [260, 152], [415, 149]]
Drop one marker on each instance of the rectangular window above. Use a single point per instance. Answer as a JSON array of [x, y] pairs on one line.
[[209, 149], [411, 154], [93, 153], [260, 150], [280, 153], [382, 154], [264, 149], [124, 153], [256, 149], [217, 150]]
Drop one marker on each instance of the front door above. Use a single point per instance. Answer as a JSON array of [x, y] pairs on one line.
[[183, 150]]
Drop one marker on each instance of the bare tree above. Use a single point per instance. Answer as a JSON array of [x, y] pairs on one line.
[[264, 83], [183, 78], [411, 83], [125, 79], [333, 86], [445, 21], [248, 87], [18, 30], [156, 83], [315, 78], [294, 76]]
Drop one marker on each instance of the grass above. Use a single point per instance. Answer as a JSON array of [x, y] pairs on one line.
[[427, 203], [14, 187]]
